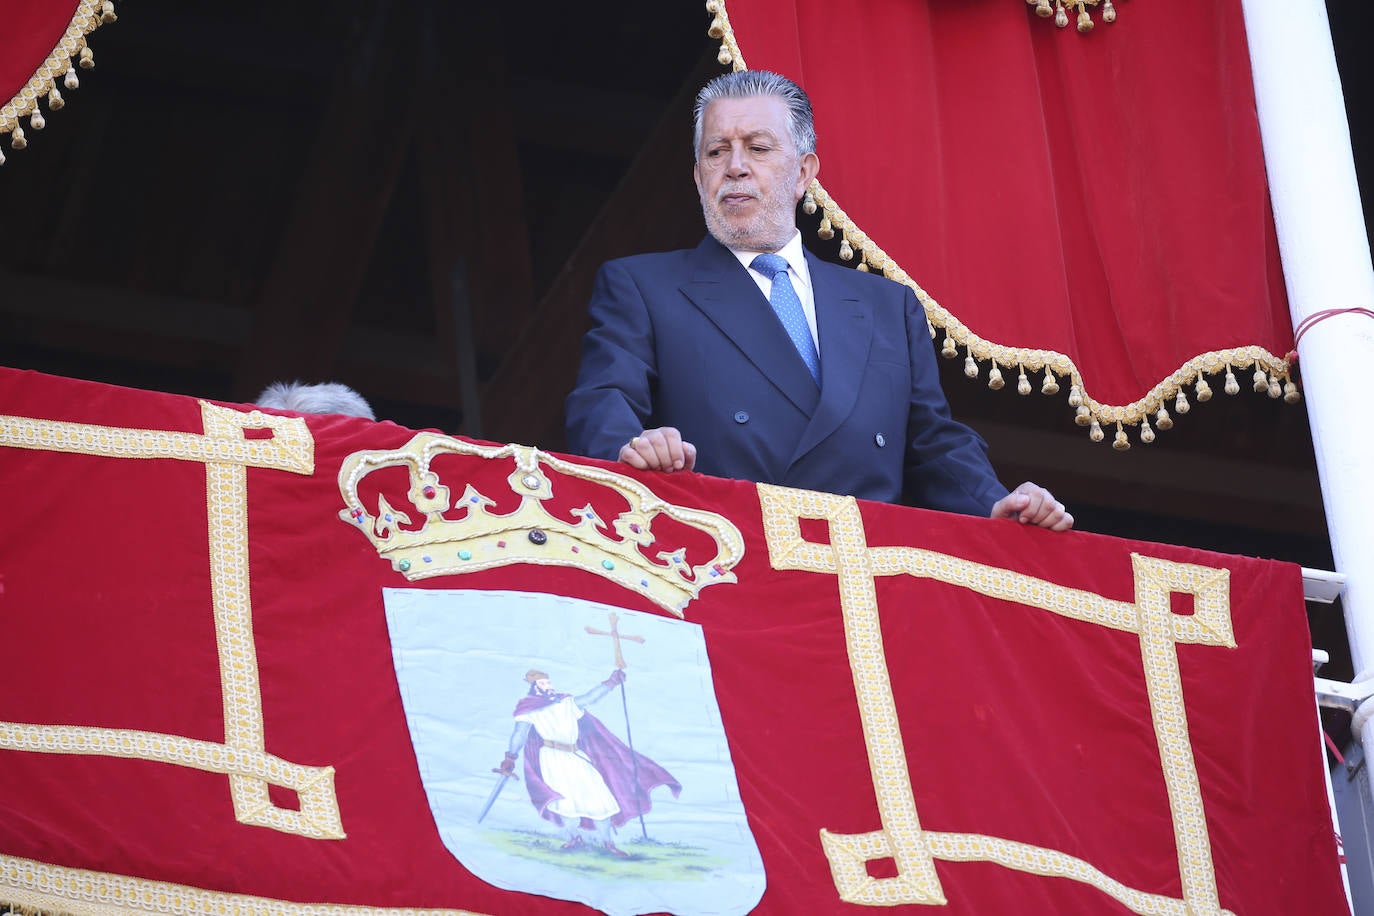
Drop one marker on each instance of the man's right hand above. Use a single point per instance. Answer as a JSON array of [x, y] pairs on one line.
[[507, 767], [661, 449]]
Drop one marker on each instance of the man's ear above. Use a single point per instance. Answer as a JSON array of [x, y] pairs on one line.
[[810, 168], [696, 176]]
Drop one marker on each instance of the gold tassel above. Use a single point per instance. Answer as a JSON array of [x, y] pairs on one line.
[[1095, 433], [948, 350], [1042, 8], [1147, 435], [87, 59], [931, 328], [863, 265], [55, 100], [808, 203], [1181, 403], [17, 140], [995, 381], [725, 58], [1232, 386], [107, 13], [1049, 386], [970, 367], [1274, 389], [1260, 381], [1162, 418], [1060, 18], [826, 231], [1075, 396], [1290, 393], [1083, 416], [717, 29], [1022, 383], [1120, 442], [36, 120], [1204, 390], [70, 81], [1108, 12], [1085, 24], [846, 252], [2, 157]]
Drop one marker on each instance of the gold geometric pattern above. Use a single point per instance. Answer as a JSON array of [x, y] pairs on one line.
[[58, 890], [226, 454], [901, 837]]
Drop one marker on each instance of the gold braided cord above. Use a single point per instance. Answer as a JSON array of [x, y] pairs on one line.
[[1272, 374], [32, 886], [89, 15]]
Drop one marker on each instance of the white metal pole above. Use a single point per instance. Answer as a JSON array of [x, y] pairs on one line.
[[1326, 265]]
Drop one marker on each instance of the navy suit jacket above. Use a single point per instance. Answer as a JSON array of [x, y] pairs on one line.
[[686, 339]]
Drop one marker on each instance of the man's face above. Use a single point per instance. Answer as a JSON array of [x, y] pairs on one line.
[[749, 173], [544, 687]]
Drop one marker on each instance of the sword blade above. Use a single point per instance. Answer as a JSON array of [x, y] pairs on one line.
[[491, 799]]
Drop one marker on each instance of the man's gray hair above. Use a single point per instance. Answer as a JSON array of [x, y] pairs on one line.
[[743, 84], [325, 397]]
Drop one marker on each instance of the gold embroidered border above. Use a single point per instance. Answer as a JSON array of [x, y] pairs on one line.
[[855, 564], [58, 890], [1273, 373], [226, 454], [89, 15]]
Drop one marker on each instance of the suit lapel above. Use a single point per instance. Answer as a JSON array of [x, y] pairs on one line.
[[723, 290], [844, 323]]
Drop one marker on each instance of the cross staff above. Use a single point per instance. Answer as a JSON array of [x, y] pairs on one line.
[[616, 637]]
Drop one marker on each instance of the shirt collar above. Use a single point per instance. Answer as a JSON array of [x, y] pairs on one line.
[[792, 252]]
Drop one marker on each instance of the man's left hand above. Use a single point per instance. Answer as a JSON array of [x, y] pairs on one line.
[[1033, 505]]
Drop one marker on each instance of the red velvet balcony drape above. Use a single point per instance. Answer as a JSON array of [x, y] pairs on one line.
[[1091, 203]]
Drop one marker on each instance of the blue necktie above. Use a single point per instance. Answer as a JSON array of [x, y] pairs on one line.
[[784, 300]]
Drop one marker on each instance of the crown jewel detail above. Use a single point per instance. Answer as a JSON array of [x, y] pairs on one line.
[[483, 539]]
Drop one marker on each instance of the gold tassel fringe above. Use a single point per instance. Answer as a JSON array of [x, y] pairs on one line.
[[89, 15]]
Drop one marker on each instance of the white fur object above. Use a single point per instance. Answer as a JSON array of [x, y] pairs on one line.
[[323, 397]]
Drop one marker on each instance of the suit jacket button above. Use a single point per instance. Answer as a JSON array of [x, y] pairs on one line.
[[879, 440], [741, 416]]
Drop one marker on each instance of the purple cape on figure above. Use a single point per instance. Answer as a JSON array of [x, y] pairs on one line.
[[628, 774]]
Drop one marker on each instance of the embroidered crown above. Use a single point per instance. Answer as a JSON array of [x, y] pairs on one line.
[[482, 539]]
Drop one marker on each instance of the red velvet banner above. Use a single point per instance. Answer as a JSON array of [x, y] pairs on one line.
[[220, 624], [1096, 204]]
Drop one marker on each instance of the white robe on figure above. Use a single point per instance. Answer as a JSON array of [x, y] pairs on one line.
[[570, 773]]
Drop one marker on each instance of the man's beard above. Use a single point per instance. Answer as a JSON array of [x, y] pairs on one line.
[[768, 229]]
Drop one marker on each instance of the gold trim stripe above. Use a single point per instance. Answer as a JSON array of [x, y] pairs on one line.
[[290, 449], [59, 890], [195, 754]]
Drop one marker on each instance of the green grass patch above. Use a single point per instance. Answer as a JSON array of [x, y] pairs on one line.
[[648, 860]]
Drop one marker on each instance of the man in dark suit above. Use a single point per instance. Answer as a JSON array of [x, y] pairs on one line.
[[783, 368]]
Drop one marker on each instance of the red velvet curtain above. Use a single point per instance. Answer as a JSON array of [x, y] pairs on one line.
[[1095, 198], [32, 56]]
